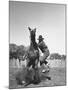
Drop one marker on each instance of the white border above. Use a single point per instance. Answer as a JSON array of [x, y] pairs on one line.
[[4, 31]]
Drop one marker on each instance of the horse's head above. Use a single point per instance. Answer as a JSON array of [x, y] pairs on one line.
[[32, 33]]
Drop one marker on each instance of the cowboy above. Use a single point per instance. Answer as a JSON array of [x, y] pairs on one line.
[[43, 47]]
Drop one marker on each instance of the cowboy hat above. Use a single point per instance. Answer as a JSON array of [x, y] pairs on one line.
[[40, 37]]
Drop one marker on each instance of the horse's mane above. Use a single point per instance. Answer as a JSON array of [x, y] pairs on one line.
[[33, 43], [34, 46]]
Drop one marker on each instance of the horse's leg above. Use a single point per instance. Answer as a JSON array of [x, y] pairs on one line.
[[28, 65], [36, 71], [28, 76]]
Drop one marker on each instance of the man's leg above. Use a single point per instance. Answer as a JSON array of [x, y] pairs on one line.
[[46, 54], [45, 62]]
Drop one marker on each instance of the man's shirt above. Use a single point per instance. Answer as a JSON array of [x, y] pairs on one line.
[[42, 46]]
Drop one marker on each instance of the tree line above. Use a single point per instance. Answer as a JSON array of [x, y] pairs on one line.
[[16, 51], [57, 56]]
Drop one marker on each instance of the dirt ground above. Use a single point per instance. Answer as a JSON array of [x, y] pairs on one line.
[[57, 73]]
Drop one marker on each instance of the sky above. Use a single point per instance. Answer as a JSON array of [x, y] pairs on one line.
[[48, 19]]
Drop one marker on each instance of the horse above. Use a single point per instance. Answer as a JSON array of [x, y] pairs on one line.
[[33, 56]]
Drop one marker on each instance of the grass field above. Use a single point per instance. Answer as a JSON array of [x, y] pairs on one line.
[[57, 74]]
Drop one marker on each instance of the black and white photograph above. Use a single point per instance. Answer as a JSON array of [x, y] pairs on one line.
[[37, 44]]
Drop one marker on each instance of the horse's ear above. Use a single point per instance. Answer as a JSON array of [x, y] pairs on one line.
[[35, 29], [29, 28]]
